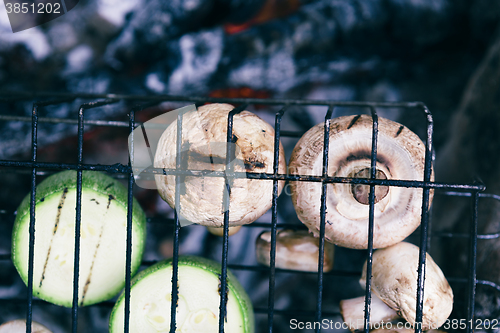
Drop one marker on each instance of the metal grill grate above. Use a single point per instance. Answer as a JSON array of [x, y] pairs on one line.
[[140, 102]]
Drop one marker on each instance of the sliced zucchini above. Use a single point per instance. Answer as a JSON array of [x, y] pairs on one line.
[[103, 234], [198, 302], [19, 326]]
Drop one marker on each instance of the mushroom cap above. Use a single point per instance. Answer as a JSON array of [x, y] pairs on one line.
[[204, 135], [400, 155], [395, 275], [296, 250]]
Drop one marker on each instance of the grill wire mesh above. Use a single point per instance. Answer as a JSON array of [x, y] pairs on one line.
[[473, 191]]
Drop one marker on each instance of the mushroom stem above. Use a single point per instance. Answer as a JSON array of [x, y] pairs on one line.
[[362, 192], [353, 312], [220, 231], [295, 250]]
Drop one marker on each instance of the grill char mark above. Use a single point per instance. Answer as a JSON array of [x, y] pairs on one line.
[[253, 163], [89, 278], [195, 156], [401, 128], [353, 121], [58, 217], [110, 197]]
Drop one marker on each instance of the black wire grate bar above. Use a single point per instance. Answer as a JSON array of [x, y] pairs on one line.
[[92, 101], [369, 259], [274, 221]]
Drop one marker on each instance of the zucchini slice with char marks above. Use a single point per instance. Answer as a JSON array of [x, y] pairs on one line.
[[198, 302], [103, 234]]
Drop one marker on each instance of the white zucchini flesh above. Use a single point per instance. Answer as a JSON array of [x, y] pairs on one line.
[[19, 326], [103, 229], [197, 307]]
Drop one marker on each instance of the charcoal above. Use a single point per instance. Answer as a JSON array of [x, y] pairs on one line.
[[484, 17], [157, 22], [62, 36], [326, 41], [321, 28], [472, 151], [424, 21]]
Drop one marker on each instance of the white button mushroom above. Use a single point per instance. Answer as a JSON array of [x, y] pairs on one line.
[[400, 155], [395, 283], [295, 250], [204, 134]]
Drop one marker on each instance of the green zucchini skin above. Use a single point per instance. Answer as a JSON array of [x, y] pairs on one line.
[[94, 180], [91, 180], [207, 265]]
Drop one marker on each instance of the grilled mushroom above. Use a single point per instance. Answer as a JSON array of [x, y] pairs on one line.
[[19, 326], [400, 155], [204, 148], [296, 250], [394, 290], [395, 283]]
